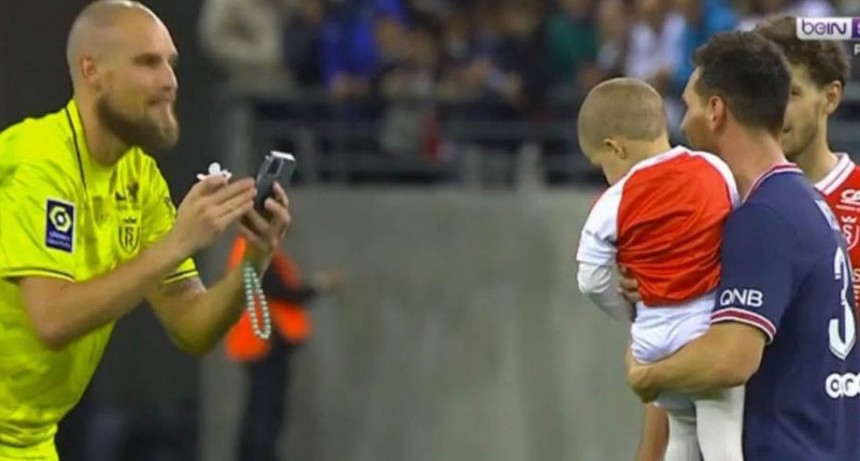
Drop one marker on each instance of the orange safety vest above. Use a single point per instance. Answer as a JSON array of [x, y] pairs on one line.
[[290, 320]]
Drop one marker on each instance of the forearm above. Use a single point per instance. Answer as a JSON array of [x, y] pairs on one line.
[[655, 434], [208, 315], [704, 364], [78, 308], [600, 285]]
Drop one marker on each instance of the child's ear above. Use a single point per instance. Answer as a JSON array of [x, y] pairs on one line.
[[616, 147]]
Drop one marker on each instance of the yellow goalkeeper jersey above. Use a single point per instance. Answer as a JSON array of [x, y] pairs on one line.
[[63, 215]]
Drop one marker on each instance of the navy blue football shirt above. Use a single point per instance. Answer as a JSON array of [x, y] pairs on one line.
[[786, 271]]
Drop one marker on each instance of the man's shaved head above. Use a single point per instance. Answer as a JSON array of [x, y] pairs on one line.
[[621, 107], [94, 31]]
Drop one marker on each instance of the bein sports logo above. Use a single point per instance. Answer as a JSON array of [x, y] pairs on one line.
[[828, 28]]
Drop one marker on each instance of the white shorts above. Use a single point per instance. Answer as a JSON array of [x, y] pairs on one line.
[[660, 331]]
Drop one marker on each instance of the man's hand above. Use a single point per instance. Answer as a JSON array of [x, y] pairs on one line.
[[264, 234], [208, 209], [628, 286], [637, 374]]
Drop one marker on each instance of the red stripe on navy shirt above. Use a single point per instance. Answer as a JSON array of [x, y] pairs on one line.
[[734, 314]]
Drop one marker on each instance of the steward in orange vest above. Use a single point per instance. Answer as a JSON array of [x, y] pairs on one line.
[[285, 294], [267, 363]]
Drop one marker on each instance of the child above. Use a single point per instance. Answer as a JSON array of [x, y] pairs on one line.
[[662, 220]]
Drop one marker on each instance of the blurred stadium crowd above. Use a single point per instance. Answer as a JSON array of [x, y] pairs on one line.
[[414, 85]]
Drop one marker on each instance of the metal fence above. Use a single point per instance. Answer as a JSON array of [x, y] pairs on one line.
[[469, 143]]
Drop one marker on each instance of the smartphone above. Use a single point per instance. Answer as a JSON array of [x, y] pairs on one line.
[[276, 167]]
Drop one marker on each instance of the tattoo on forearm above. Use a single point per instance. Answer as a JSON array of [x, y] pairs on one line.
[[189, 285]]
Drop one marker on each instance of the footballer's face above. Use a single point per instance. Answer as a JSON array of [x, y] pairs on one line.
[[695, 122], [136, 87], [804, 114]]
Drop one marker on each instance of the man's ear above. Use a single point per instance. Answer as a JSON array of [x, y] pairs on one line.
[[832, 97], [716, 113], [90, 72], [616, 147]]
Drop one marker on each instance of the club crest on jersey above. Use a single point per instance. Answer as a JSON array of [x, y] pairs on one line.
[[850, 197], [850, 230], [60, 225], [129, 234]]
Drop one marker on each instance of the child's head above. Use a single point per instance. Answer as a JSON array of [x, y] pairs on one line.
[[621, 122]]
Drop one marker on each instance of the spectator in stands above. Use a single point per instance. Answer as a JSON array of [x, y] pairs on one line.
[[572, 45], [302, 43], [753, 11], [656, 43], [244, 39], [460, 73], [457, 39], [436, 9], [349, 47], [496, 57], [521, 53], [703, 19], [655, 50], [613, 22], [407, 84]]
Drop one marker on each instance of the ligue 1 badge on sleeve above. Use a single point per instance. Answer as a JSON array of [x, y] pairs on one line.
[[60, 225]]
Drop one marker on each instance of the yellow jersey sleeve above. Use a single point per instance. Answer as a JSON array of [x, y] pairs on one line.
[[39, 222], [159, 215]]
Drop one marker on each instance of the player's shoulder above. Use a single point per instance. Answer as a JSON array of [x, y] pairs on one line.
[[783, 202], [844, 200], [606, 205], [44, 139], [38, 150], [779, 194], [677, 158], [842, 176], [675, 173], [764, 220], [848, 191]]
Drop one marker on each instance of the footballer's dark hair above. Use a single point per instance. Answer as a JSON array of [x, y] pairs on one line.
[[749, 73], [825, 60]]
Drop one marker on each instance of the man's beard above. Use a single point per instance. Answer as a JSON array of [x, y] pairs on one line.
[[804, 138], [698, 138], [143, 133]]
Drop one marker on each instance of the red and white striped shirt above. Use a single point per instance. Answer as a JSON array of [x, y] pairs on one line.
[[663, 221], [841, 190]]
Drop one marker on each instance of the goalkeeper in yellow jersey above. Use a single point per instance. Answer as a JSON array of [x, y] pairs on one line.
[[88, 229]]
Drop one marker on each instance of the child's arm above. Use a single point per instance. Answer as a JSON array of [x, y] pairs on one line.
[[599, 283], [596, 256]]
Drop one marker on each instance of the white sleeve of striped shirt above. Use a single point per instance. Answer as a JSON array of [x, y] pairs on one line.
[[600, 284]]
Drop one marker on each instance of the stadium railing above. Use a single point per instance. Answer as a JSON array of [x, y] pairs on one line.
[[340, 144]]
